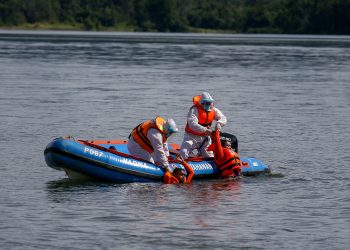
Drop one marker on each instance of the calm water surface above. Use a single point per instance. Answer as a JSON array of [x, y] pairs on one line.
[[286, 98]]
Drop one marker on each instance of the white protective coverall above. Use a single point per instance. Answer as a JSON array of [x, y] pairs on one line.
[[160, 153], [201, 143]]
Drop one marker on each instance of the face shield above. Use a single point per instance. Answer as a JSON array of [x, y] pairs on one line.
[[170, 128], [207, 105], [207, 101]]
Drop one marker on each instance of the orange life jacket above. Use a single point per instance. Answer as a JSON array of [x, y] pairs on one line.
[[139, 134], [230, 165], [169, 179], [205, 118]]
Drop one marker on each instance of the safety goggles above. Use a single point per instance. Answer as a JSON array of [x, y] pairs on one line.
[[169, 133], [171, 130], [206, 103]]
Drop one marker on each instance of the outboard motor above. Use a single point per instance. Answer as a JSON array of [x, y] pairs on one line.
[[231, 138]]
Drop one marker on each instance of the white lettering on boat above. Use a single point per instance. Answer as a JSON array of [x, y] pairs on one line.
[[122, 160], [128, 161], [93, 152]]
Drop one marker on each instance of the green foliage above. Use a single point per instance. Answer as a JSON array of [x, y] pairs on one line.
[[247, 16], [12, 12]]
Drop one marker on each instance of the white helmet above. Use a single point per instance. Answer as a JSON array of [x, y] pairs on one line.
[[170, 127], [206, 101]]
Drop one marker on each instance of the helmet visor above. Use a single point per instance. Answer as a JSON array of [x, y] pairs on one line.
[[170, 131], [206, 103]]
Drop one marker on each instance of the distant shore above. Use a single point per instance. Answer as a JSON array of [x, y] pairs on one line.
[[60, 26], [121, 28], [319, 17]]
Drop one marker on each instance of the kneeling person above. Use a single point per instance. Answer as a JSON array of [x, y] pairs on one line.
[[149, 141], [198, 127]]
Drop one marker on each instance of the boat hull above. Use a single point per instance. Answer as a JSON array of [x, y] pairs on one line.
[[79, 160]]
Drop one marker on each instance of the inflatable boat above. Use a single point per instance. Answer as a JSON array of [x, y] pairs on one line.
[[110, 161]]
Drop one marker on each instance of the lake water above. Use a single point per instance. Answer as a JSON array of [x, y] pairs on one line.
[[286, 98]]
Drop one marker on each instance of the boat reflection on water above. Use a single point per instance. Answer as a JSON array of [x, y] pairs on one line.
[[209, 192]]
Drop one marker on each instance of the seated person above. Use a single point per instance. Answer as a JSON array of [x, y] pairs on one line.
[[178, 175], [225, 158]]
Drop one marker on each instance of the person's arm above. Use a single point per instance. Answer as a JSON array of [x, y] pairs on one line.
[[159, 154], [189, 170], [192, 120], [166, 149], [218, 152], [167, 178], [220, 117]]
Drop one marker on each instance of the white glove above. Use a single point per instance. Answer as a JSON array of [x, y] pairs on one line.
[[218, 126], [209, 131], [167, 169]]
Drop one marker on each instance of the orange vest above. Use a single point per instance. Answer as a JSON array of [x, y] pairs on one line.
[[139, 134], [169, 179], [230, 165], [205, 118]]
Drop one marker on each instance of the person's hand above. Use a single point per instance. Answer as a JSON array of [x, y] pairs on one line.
[[179, 158], [167, 169], [208, 131], [218, 126]]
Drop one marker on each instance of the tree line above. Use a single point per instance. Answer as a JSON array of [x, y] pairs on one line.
[[236, 16]]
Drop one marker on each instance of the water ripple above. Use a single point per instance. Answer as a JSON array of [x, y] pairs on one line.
[[285, 97]]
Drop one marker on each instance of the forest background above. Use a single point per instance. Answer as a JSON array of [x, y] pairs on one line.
[[222, 16]]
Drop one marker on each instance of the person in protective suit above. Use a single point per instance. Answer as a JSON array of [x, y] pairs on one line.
[[198, 127], [148, 141]]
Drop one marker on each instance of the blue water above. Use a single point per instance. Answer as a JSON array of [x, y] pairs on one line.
[[286, 99]]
